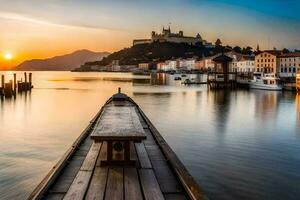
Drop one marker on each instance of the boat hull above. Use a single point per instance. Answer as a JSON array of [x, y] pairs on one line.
[[265, 87]]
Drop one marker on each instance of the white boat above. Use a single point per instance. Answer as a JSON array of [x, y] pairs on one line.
[[263, 81]]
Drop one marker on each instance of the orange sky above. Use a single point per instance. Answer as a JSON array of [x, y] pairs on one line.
[[40, 29]]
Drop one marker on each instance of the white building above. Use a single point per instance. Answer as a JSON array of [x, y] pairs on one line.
[[168, 65], [188, 64], [243, 64], [289, 64]]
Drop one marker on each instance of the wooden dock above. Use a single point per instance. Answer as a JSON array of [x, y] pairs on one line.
[[9, 89], [156, 174]]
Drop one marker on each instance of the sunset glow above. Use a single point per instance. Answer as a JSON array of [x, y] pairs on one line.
[[39, 32], [8, 56]]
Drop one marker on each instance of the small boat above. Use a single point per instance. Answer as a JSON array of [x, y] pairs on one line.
[[187, 82], [183, 75], [95, 168], [177, 78], [263, 81]]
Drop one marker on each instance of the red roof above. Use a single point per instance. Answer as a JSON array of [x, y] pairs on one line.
[[291, 54], [274, 52]]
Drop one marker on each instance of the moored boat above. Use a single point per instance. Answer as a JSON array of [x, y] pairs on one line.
[[263, 81], [150, 171]]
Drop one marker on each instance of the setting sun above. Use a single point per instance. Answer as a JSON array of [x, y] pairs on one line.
[[8, 56]]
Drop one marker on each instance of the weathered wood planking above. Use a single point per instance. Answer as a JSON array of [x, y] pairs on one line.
[[91, 158], [97, 186], [80, 184], [114, 188], [118, 123], [142, 155], [132, 187], [175, 197], [158, 175], [150, 185]]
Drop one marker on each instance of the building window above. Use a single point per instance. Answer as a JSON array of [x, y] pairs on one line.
[[294, 69], [281, 69], [272, 59], [290, 69], [285, 69], [257, 65]]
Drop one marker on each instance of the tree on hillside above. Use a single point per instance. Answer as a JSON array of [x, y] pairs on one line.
[[237, 49], [228, 47], [285, 50], [218, 42], [247, 51], [296, 50]]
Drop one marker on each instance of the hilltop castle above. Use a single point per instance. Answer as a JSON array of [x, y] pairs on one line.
[[168, 36]]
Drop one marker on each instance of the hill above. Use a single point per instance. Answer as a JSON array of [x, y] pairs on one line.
[[65, 62], [156, 51]]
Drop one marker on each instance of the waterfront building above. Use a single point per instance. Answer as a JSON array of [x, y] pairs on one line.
[[167, 36], [268, 61], [244, 64], [188, 64], [199, 64], [289, 64], [209, 64], [168, 65], [144, 66]]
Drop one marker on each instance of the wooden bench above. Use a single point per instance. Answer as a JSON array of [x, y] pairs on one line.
[[118, 126]]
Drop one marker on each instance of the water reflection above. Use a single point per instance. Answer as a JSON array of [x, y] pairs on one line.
[[298, 110], [237, 144], [266, 105]]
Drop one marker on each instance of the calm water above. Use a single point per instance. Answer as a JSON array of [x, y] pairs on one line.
[[237, 144]]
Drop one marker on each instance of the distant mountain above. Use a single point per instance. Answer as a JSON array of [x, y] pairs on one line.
[[62, 63]]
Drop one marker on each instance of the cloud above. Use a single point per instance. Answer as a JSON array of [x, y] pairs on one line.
[[29, 19]]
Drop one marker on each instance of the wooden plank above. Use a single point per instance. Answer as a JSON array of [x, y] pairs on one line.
[[142, 155], [96, 188], [55, 196], [64, 181], [150, 185], [118, 123], [102, 154], [175, 197], [131, 184], [79, 186], [166, 178], [91, 158], [114, 188]]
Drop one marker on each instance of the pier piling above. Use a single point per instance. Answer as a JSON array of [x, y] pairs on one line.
[[10, 89]]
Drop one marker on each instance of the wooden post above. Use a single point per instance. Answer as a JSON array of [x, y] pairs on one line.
[[8, 89], [119, 90], [25, 75], [2, 85], [30, 80], [15, 84]]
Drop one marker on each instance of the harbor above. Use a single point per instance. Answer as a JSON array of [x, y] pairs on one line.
[[217, 131]]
